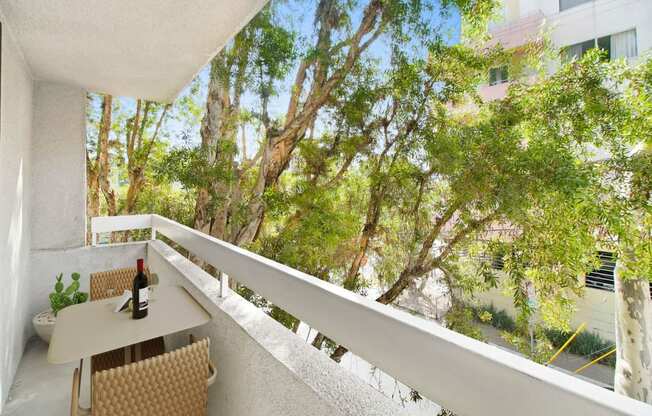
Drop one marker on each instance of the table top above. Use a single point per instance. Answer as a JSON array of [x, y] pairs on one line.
[[92, 328]]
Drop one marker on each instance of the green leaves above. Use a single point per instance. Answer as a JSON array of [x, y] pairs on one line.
[[63, 297]]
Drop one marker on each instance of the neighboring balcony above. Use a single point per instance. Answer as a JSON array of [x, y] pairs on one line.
[[494, 92], [265, 369], [514, 33]]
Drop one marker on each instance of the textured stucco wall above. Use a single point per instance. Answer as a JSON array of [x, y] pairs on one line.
[[58, 167], [263, 368], [147, 48], [15, 166], [601, 18]]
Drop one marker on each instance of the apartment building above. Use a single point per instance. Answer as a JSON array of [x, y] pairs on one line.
[[621, 27]]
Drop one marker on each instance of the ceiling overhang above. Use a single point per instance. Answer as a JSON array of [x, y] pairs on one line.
[[147, 49]]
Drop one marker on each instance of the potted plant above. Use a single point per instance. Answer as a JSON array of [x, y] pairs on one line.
[[59, 299]]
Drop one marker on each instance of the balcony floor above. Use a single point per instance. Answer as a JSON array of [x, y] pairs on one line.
[[41, 388]]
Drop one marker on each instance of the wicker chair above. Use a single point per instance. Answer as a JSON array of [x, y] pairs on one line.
[[112, 283], [175, 383], [109, 284]]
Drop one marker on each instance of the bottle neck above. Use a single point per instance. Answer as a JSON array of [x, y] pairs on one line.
[[139, 265]]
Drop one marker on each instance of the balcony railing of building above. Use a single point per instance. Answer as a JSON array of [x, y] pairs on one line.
[[461, 374], [514, 33]]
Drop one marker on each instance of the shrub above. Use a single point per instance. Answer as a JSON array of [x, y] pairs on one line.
[[499, 318]]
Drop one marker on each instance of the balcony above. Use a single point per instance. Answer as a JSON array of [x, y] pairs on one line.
[[263, 368], [514, 33]]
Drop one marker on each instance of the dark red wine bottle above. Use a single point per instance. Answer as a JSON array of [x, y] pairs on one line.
[[140, 294]]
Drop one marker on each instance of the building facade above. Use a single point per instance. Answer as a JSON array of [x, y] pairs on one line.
[[621, 27]]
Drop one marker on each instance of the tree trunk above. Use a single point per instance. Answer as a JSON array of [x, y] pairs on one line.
[[633, 376], [218, 132], [279, 144], [104, 163], [138, 152], [422, 264], [93, 193]]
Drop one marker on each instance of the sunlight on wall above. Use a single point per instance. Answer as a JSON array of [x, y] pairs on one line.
[[14, 285]]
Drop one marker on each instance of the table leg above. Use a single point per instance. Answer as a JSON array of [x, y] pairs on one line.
[[127, 350], [138, 353]]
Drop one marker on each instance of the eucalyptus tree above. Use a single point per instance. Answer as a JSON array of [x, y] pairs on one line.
[[232, 192], [126, 140], [627, 226]]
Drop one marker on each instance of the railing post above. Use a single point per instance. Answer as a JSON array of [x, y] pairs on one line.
[[153, 233], [224, 284], [93, 239]]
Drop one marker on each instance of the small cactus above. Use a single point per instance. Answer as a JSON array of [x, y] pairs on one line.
[[66, 296]]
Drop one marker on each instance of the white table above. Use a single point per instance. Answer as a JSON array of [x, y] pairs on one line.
[[92, 328]]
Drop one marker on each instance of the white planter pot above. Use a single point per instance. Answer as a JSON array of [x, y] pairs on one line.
[[44, 325]]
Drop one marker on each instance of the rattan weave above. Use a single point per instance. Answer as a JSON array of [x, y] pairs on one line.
[[112, 283], [171, 384]]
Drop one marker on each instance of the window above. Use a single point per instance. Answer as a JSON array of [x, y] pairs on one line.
[[578, 50], [602, 278], [623, 45], [567, 4], [498, 75], [619, 45]]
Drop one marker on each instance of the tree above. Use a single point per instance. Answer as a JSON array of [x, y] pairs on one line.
[[126, 140], [231, 204], [603, 106], [104, 170], [257, 57], [628, 228], [514, 164]]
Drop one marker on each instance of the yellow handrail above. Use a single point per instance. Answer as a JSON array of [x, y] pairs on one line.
[[595, 361], [566, 344]]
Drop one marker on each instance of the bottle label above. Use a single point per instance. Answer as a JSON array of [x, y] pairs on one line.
[[143, 298]]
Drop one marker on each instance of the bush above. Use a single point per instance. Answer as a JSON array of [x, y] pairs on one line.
[[499, 318]]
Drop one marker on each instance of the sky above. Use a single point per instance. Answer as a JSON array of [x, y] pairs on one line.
[[298, 14]]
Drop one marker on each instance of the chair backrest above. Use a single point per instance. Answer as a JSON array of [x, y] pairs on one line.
[[113, 282], [170, 384]]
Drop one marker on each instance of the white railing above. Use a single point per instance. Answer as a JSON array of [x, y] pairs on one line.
[[464, 375], [120, 223]]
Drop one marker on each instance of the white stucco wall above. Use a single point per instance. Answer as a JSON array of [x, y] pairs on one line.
[[15, 167], [59, 167], [600, 18], [263, 369], [590, 20], [43, 199]]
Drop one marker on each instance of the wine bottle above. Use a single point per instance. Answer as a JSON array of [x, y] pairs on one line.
[[140, 294]]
